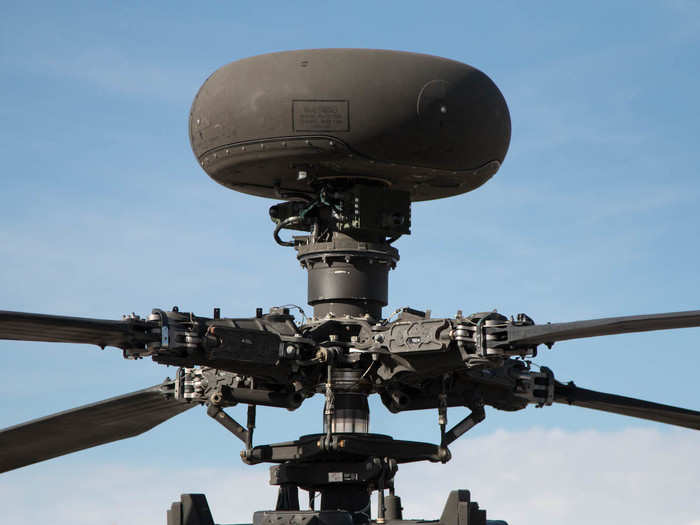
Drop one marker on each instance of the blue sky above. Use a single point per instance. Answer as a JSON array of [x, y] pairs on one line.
[[104, 211]]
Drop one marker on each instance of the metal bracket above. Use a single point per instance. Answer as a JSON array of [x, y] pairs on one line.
[[476, 416], [233, 426], [536, 387], [164, 328], [190, 384]]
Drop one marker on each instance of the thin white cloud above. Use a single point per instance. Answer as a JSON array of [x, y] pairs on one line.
[[529, 477], [553, 476]]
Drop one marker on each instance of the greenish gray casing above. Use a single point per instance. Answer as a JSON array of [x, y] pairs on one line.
[[427, 125]]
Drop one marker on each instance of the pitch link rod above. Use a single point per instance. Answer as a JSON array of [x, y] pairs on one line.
[[476, 416], [251, 427]]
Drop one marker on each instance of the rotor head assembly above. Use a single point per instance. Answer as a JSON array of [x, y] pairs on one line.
[[346, 139]]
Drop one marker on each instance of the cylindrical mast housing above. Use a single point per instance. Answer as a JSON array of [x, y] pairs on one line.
[[350, 413], [347, 277]]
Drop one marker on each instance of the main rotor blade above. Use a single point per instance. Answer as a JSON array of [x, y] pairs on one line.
[[628, 406], [550, 333], [88, 426], [127, 333]]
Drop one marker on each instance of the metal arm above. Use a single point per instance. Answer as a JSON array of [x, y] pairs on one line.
[[476, 416], [572, 395]]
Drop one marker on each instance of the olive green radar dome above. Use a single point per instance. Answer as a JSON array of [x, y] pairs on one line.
[[276, 124]]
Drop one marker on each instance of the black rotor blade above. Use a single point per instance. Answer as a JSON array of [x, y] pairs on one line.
[[21, 326], [550, 333], [88, 426], [628, 406]]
